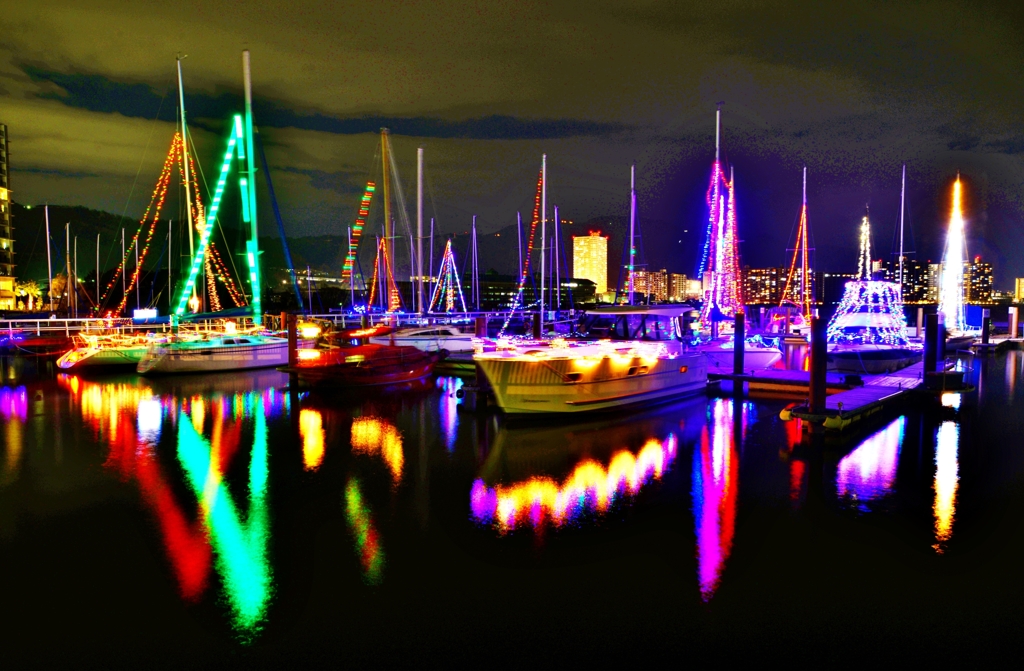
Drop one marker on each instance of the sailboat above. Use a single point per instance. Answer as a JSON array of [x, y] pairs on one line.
[[868, 332], [229, 350], [791, 320]]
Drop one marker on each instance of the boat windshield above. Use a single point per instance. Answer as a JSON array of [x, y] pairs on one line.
[[651, 327]]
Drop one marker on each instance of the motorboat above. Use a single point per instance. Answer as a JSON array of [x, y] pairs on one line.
[[868, 333], [432, 338], [215, 354], [576, 377]]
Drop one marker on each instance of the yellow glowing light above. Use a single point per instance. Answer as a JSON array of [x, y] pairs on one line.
[[309, 354], [545, 497], [229, 327], [375, 436], [312, 430], [308, 330]]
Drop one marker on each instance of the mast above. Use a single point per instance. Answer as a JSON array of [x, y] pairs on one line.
[[184, 163], [558, 276], [387, 196], [543, 227], [249, 191], [805, 268], [351, 282], [170, 264], [97, 271], [903, 197], [474, 277], [124, 264], [718, 132], [431, 276], [67, 261], [632, 220], [519, 231], [76, 277], [138, 278], [49, 266], [419, 230]]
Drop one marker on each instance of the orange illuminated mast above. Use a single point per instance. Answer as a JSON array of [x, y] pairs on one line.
[[800, 293]]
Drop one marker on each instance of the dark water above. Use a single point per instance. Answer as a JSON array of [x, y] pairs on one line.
[[222, 519]]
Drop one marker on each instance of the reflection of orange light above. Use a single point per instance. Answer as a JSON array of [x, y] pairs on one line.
[[312, 429], [307, 354], [715, 485], [590, 485], [371, 435], [947, 480]]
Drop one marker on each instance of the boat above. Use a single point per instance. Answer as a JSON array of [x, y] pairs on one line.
[[868, 332], [362, 365], [94, 352], [29, 343], [215, 354], [951, 284], [576, 377], [758, 354], [429, 338]]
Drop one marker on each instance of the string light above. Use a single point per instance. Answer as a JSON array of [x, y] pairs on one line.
[[721, 249], [394, 298], [517, 300], [870, 313], [864, 259], [357, 230], [447, 282], [951, 285], [804, 294]]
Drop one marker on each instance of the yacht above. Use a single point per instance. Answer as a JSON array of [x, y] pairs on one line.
[[432, 338], [215, 354]]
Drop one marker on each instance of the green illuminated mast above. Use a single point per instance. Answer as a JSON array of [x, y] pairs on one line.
[[240, 144]]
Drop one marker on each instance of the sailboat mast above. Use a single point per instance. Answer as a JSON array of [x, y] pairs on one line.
[[903, 196], [387, 197], [67, 259], [431, 276], [558, 275], [252, 247], [805, 266], [97, 271], [419, 230], [184, 162], [49, 266], [519, 244], [543, 225], [632, 225]]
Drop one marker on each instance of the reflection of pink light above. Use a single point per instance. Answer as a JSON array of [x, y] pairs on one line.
[[449, 409], [869, 472], [715, 482], [13, 403]]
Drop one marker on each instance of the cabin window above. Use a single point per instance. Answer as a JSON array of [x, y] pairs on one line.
[[228, 341], [643, 370], [632, 371], [574, 377], [242, 341]]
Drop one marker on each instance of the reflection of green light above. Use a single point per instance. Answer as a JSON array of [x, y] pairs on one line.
[[371, 555], [241, 548]]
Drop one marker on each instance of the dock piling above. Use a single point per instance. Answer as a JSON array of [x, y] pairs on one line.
[[819, 364], [1014, 318], [480, 327], [931, 339], [738, 345], [293, 340], [986, 325]]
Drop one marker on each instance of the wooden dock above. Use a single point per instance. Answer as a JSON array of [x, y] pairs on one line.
[[789, 382], [853, 405]]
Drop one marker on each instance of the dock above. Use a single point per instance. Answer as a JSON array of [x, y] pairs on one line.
[[853, 405], [793, 382]]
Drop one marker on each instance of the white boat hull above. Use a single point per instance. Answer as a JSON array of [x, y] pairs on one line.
[[429, 344], [871, 360], [169, 360], [101, 357], [721, 360], [551, 387]]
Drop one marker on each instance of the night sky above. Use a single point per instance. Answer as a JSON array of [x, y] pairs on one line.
[[851, 89]]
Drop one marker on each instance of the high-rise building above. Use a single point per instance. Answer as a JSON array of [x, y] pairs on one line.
[[1018, 290], [978, 282], [653, 283], [934, 281], [681, 288], [7, 297], [590, 259], [764, 286]]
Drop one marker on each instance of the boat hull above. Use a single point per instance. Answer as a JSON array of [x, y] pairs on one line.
[[551, 387], [102, 358], [427, 344], [365, 366], [872, 362], [171, 360], [721, 360]]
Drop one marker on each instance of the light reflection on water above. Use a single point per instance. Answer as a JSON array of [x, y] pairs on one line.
[[13, 410], [947, 480], [311, 427], [714, 489], [377, 436], [868, 474], [591, 487], [367, 538]]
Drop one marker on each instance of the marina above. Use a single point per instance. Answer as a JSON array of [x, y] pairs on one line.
[[528, 336]]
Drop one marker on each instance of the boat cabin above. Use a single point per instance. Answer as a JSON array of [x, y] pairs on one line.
[[656, 323]]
